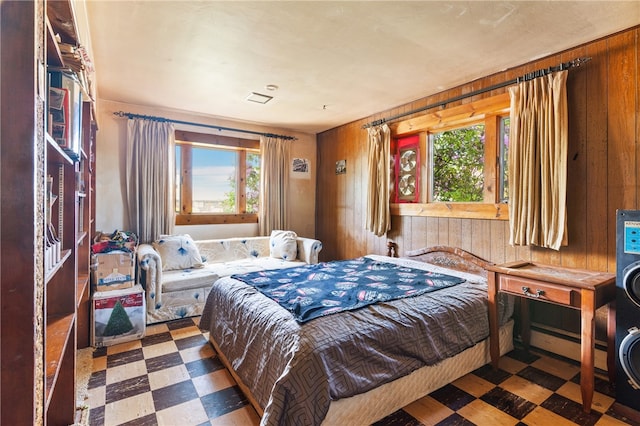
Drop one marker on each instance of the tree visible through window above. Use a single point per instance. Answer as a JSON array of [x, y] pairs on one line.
[[458, 164], [504, 154], [252, 187]]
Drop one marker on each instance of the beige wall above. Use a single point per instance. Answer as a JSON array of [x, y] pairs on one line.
[[110, 163]]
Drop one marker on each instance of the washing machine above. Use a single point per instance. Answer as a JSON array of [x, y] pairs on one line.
[[628, 308]]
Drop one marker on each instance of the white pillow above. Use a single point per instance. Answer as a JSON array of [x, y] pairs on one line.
[[178, 252], [283, 245]]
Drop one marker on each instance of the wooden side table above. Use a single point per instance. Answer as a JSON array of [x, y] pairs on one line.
[[575, 288]]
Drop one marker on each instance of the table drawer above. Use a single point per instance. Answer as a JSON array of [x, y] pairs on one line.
[[541, 291]]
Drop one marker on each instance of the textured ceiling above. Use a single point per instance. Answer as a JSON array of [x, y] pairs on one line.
[[333, 62]]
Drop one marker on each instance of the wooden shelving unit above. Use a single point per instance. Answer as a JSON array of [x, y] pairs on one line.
[[67, 290], [59, 330], [85, 227], [47, 216]]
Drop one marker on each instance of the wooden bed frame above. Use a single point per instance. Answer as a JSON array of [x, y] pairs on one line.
[[371, 406], [452, 258]]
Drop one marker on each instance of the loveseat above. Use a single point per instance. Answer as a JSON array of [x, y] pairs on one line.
[[177, 272]]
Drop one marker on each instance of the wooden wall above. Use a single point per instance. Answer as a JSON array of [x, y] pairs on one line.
[[602, 168], [604, 129]]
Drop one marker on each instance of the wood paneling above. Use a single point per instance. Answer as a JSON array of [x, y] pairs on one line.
[[574, 254], [602, 175], [602, 169], [622, 179], [596, 151]]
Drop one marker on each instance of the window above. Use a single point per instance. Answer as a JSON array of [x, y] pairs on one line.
[[465, 172], [217, 179], [457, 164]]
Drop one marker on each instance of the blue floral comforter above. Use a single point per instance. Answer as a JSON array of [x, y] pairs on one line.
[[312, 291]]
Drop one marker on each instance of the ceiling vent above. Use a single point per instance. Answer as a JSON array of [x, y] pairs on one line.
[[259, 98]]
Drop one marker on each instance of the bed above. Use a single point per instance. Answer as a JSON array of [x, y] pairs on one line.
[[356, 366]]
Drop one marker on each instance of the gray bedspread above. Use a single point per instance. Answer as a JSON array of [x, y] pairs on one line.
[[295, 370]]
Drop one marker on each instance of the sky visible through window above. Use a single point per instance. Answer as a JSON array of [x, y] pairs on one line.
[[212, 169]]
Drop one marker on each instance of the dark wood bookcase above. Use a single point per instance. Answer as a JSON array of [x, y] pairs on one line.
[[47, 216]]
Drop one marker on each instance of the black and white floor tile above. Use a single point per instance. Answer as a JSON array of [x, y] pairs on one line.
[[173, 377]]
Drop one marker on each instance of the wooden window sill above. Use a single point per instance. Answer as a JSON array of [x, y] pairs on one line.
[[215, 219], [498, 211]]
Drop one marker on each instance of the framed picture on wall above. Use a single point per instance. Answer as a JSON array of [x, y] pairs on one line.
[[407, 170], [300, 168]]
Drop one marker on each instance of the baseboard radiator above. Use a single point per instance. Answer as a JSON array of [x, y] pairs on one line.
[[566, 344]]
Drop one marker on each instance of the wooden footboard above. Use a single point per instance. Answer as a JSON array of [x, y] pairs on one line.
[[452, 258]]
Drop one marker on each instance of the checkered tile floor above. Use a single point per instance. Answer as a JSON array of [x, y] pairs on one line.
[[173, 377]]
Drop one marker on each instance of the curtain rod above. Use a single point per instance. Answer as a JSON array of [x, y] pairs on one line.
[[210, 126], [529, 76]]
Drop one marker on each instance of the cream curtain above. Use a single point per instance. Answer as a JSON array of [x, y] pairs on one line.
[[538, 162], [274, 184], [149, 178], [378, 218]]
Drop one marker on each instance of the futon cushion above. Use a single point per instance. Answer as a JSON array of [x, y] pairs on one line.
[[188, 279], [283, 245], [178, 252]]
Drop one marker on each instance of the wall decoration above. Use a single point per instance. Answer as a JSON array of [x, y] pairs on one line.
[[341, 167], [407, 170], [300, 168]]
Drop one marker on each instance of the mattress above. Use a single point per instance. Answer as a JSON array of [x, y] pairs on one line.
[[369, 407], [297, 372]]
